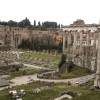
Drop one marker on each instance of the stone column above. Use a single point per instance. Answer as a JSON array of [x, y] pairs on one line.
[[94, 58], [94, 45], [97, 75], [88, 44], [64, 42], [74, 45], [88, 50], [81, 49], [69, 42], [81, 43]]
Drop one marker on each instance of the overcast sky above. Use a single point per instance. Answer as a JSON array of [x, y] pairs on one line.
[[61, 11]]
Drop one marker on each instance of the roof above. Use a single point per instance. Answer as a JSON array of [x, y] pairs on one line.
[[3, 82], [80, 23], [86, 25]]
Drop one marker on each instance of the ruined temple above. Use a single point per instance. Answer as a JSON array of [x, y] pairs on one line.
[[81, 39]]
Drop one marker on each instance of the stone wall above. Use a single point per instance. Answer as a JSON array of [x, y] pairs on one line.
[[12, 36]]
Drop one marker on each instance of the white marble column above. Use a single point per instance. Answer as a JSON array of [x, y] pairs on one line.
[[88, 44], [69, 38], [74, 44], [88, 63], [69, 42], [94, 45], [94, 58], [64, 42], [97, 75], [81, 43]]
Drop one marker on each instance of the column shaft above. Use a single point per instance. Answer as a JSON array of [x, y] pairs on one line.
[[81, 43], [69, 43], [74, 44], [64, 41], [97, 77], [98, 56], [88, 45], [94, 46]]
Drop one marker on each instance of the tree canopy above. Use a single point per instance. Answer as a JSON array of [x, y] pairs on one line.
[[25, 23], [62, 61], [48, 24]]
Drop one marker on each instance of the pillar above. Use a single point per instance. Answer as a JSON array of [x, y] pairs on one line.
[[69, 42], [97, 75], [64, 42], [88, 44], [88, 62], [81, 42], [74, 45], [94, 58], [94, 45]]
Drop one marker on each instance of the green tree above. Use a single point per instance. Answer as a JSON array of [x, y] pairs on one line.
[[17, 69], [39, 24], [62, 61], [4, 23], [12, 23], [48, 24], [25, 44], [24, 23], [24, 72], [34, 23]]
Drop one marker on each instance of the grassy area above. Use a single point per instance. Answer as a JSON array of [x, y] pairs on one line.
[[51, 61], [42, 56], [76, 72], [91, 96], [5, 96], [77, 89], [49, 94], [52, 92], [21, 72]]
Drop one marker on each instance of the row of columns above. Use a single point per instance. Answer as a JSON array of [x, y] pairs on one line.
[[68, 34], [87, 56]]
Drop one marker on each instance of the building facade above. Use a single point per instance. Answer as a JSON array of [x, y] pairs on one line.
[[12, 36]]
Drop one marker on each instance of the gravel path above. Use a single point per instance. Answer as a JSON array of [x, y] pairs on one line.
[[34, 66], [26, 79]]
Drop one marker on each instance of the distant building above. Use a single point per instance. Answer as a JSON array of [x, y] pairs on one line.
[[12, 36]]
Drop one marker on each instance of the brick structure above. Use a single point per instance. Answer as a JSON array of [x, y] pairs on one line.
[[12, 36]]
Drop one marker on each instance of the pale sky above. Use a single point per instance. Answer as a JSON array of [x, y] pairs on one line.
[[61, 11]]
